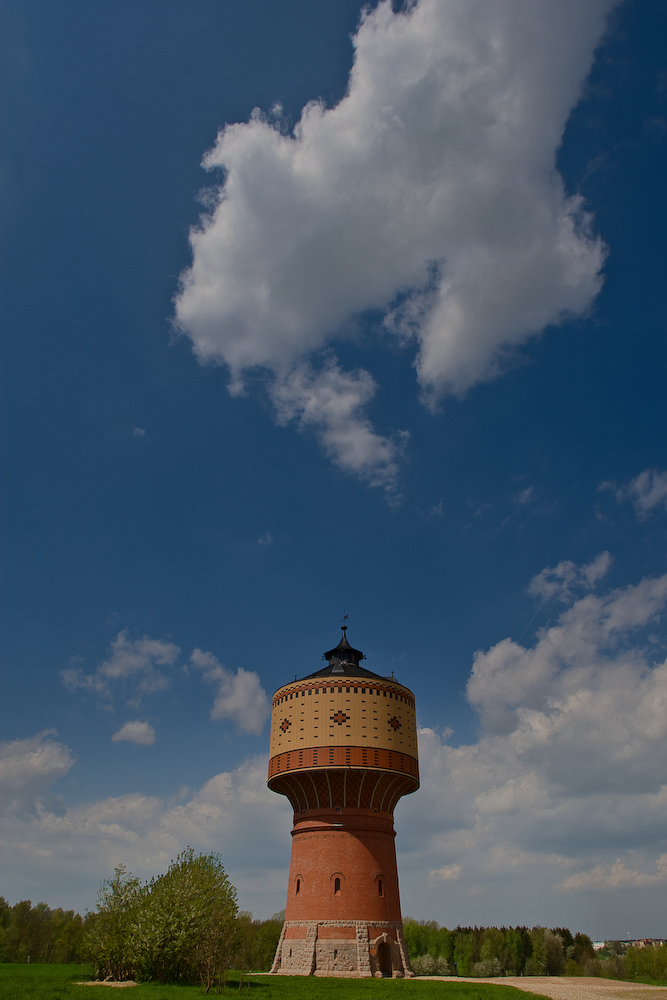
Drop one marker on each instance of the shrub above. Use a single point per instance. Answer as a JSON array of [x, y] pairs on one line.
[[428, 965], [488, 968]]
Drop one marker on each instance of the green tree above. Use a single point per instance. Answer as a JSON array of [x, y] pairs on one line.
[[185, 926], [493, 944], [110, 933], [582, 949], [647, 963], [537, 963], [518, 948], [555, 954], [256, 942], [28, 933], [565, 935], [67, 929], [466, 950]]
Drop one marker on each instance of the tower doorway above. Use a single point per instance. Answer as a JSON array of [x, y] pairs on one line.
[[384, 958]]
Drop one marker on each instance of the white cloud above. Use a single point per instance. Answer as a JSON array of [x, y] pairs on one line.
[[564, 790], [240, 696], [429, 194], [448, 873], [28, 768], [618, 876], [520, 689], [139, 432], [567, 775], [562, 582], [647, 491], [140, 667], [331, 402], [141, 733], [137, 666], [70, 851]]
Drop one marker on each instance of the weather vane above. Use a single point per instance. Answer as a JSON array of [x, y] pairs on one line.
[[343, 620]]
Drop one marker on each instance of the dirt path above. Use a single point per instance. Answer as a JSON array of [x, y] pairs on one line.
[[109, 982], [573, 987]]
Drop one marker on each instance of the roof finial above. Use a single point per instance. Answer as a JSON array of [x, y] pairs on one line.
[[343, 620]]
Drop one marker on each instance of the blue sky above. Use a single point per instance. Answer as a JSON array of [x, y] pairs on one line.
[[306, 311]]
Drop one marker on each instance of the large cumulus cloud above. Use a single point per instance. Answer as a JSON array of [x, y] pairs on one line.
[[564, 791], [62, 854], [429, 194]]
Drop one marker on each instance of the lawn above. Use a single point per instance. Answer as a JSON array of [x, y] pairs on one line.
[[58, 982]]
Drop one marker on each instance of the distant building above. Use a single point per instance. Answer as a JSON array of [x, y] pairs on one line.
[[343, 750]]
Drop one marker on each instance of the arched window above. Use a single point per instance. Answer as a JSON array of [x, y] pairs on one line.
[[298, 886], [380, 888], [336, 886]]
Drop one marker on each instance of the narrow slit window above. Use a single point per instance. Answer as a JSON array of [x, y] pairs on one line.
[[298, 886], [380, 888], [336, 886]]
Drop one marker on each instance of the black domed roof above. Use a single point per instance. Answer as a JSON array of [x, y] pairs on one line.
[[343, 660]]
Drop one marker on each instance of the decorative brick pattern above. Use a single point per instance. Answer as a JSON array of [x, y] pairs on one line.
[[343, 714], [342, 756], [342, 685]]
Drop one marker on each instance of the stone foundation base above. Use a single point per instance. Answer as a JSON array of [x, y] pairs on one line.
[[350, 948]]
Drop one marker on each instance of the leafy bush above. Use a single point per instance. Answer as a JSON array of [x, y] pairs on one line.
[[647, 963], [180, 927], [487, 968], [428, 965]]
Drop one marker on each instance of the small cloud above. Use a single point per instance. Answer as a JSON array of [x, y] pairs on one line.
[[438, 509], [28, 767], [240, 695], [332, 403], [265, 539], [448, 873], [647, 491], [446, 733], [525, 497], [136, 665], [138, 432], [141, 733], [561, 582], [618, 876]]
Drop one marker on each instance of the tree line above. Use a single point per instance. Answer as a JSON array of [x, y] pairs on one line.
[[523, 951], [184, 926], [39, 934]]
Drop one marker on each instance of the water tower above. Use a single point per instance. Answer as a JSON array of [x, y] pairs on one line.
[[343, 750]]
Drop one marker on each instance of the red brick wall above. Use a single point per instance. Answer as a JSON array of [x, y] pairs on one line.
[[354, 845]]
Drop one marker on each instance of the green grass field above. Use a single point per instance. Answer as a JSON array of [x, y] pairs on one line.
[[57, 982]]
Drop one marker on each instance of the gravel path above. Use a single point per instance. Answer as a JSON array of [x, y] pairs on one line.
[[572, 987]]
